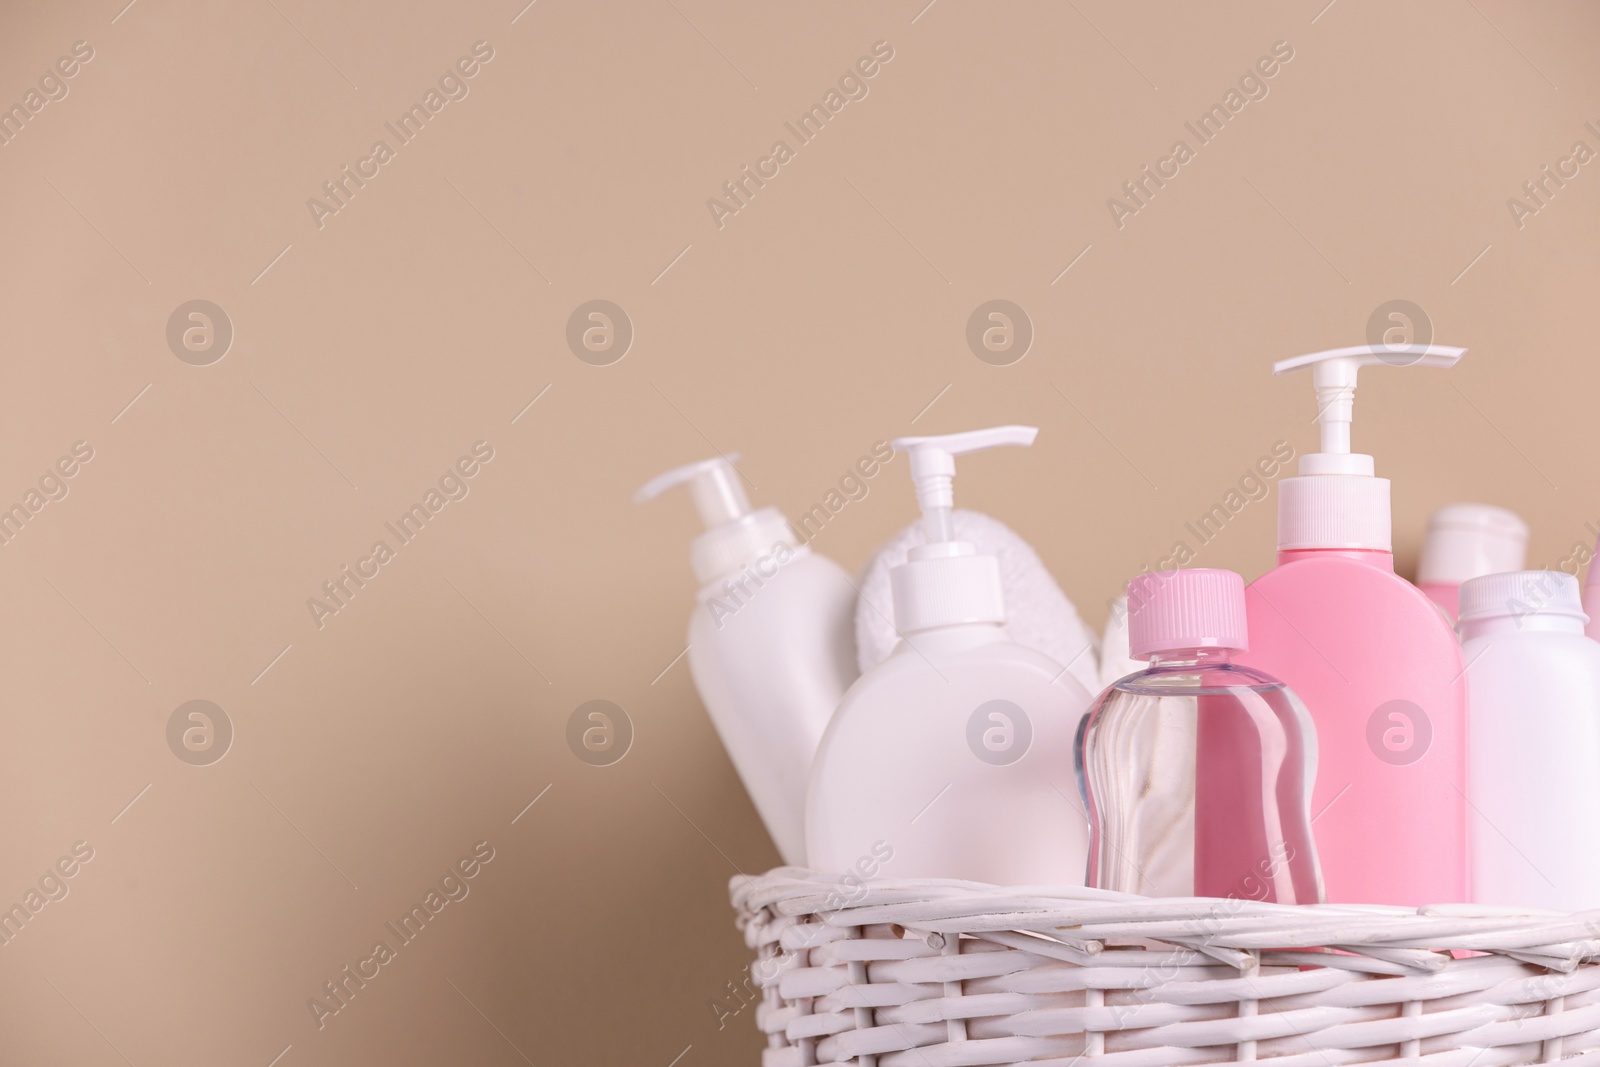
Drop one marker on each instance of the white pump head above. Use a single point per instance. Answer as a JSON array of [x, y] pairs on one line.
[[1333, 375], [933, 467], [735, 536], [945, 582], [1337, 502], [714, 485]]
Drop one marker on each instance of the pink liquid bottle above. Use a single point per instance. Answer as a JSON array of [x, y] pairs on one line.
[[1375, 660], [1199, 770]]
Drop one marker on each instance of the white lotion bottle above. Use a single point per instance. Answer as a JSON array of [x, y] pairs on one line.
[[1591, 596], [957, 750], [1467, 541], [771, 642], [1533, 741]]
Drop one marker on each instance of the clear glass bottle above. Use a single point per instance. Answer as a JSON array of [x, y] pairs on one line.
[[1198, 770]]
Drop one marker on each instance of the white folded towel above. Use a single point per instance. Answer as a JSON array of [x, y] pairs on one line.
[[1115, 662]]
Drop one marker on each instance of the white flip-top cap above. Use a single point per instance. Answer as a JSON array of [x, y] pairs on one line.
[[946, 582], [1521, 593], [1337, 501], [1467, 541], [735, 535]]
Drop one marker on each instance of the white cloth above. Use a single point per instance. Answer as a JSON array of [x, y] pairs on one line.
[[1115, 662]]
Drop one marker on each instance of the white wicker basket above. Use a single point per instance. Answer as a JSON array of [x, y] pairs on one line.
[[930, 973]]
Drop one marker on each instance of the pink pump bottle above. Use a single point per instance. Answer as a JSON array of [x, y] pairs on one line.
[[1374, 659]]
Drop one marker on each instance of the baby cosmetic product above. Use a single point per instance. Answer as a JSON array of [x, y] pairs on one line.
[[1534, 741], [1465, 541], [1038, 614], [956, 751], [1374, 659], [1591, 596], [1199, 770], [770, 642]]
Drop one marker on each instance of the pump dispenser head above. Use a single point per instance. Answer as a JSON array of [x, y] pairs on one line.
[[1337, 501], [735, 536], [713, 484], [945, 582]]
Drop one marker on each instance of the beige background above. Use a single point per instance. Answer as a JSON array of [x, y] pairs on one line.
[[421, 719]]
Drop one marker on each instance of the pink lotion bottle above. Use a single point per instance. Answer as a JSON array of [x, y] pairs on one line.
[[1374, 659]]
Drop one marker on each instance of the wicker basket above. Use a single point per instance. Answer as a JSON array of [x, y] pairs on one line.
[[929, 973]]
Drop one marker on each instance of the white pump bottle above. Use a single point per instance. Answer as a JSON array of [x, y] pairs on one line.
[[771, 642], [956, 752]]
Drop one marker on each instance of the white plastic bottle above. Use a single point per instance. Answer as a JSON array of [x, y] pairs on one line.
[[771, 642], [1467, 541], [1591, 596], [956, 751], [1533, 741]]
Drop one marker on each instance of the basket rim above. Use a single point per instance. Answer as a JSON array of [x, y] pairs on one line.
[[1091, 920]]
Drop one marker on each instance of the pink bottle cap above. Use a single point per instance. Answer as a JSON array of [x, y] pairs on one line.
[[1170, 611]]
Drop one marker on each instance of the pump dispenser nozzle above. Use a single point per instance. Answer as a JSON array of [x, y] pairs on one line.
[[945, 582], [1337, 502], [734, 535], [1333, 375], [933, 468], [714, 485]]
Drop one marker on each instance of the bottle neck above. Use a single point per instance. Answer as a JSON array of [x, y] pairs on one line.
[[1373, 557], [752, 573], [1533, 622], [1191, 657], [935, 591], [750, 541]]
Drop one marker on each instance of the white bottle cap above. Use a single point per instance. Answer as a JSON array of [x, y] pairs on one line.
[[735, 535], [1337, 501], [1521, 593], [945, 582], [1467, 541]]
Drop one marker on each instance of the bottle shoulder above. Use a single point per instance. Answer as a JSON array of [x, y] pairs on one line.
[[1334, 567], [1345, 591], [1340, 577], [922, 678], [1337, 625], [778, 595], [1576, 651], [912, 722], [1207, 680]]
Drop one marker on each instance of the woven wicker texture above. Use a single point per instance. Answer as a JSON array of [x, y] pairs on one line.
[[927, 973]]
